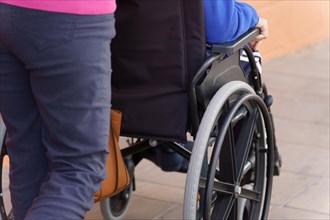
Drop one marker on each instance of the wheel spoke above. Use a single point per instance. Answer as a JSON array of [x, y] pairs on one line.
[[240, 114], [220, 187], [231, 145], [250, 194], [223, 187], [244, 142], [229, 189], [224, 208], [227, 157]]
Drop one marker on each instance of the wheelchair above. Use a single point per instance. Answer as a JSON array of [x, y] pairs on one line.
[[167, 87]]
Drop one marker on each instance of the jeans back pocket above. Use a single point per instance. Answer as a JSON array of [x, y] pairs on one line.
[[43, 29]]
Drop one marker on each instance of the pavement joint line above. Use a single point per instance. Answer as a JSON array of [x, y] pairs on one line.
[[300, 143], [301, 121], [143, 169], [290, 207], [301, 174], [166, 211], [281, 143], [160, 184], [307, 210], [155, 199], [308, 186]]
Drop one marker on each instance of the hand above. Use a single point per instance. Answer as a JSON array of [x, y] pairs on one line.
[[263, 26]]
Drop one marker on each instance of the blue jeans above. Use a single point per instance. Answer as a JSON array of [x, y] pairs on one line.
[[55, 93]]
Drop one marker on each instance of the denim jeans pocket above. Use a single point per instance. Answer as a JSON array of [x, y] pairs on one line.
[[43, 29]]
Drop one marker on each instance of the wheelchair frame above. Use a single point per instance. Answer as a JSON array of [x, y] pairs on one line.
[[205, 187], [203, 87]]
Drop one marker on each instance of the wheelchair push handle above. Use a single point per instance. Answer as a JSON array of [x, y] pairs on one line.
[[234, 46]]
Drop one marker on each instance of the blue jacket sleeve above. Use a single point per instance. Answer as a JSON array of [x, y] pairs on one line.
[[225, 20]]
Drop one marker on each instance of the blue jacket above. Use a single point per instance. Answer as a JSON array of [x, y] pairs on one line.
[[225, 20]]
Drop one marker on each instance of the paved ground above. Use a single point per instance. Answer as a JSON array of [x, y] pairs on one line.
[[299, 83]]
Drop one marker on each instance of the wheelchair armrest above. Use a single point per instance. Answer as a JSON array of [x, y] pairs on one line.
[[234, 46]]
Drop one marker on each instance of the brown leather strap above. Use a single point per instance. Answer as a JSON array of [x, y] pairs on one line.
[[115, 142]]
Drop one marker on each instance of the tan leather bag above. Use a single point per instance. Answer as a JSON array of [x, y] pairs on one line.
[[117, 178]]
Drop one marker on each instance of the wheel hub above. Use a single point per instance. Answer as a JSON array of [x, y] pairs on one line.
[[238, 191]]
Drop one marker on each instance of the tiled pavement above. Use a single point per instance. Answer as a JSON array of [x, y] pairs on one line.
[[299, 83]]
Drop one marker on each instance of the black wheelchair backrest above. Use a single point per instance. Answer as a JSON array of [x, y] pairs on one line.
[[158, 48]]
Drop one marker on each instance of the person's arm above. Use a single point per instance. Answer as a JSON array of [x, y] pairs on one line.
[[225, 20]]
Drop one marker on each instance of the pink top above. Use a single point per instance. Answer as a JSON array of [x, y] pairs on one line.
[[84, 7]]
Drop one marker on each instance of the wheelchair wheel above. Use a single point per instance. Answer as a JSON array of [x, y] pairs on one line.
[[115, 207], [231, 167]]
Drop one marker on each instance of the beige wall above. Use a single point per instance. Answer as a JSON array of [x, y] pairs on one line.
[[293, 24]]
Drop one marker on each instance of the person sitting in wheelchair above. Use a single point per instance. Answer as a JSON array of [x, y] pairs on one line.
[[225, 21]]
